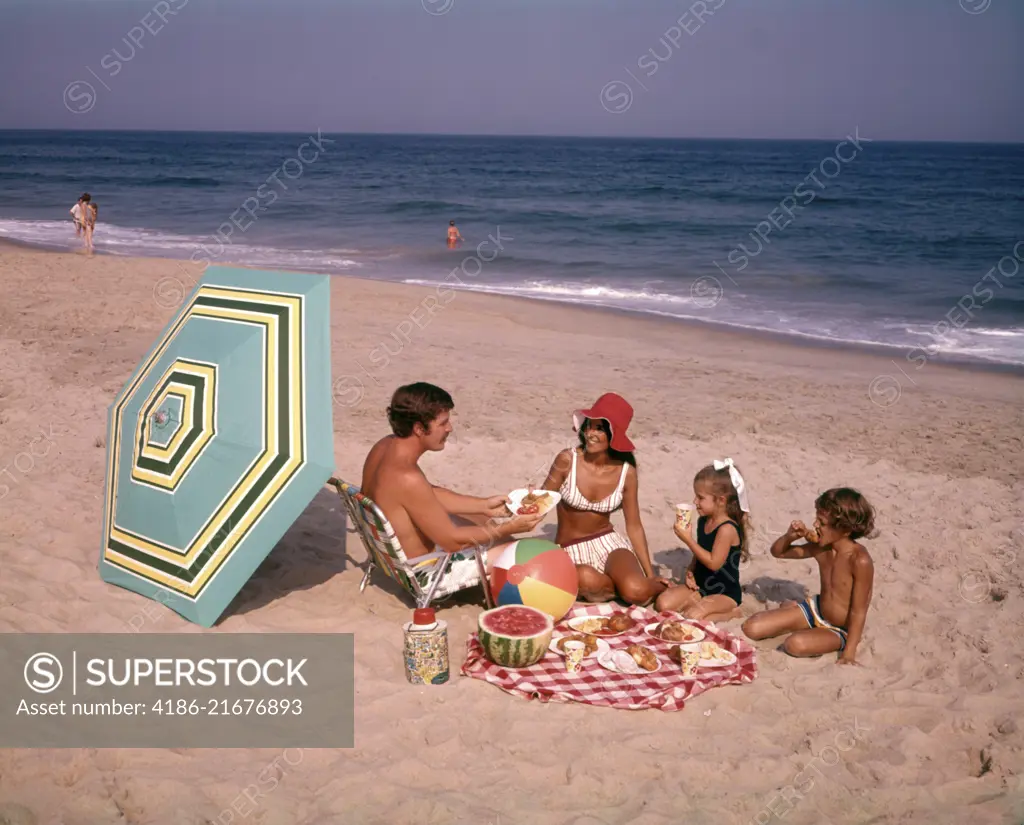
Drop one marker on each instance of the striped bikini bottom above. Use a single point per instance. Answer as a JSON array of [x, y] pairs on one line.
[[596, 548]]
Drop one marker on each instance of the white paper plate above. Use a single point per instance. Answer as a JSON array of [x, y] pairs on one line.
[[711, 662], [698, 634], [516, 497], [607, 661], [576, 625], [602, 646]]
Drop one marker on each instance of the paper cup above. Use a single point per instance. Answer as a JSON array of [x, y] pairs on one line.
[[688, 661], [574, 656], [684, 514]]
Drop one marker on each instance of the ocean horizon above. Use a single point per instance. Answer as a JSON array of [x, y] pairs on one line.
[[914, 246]]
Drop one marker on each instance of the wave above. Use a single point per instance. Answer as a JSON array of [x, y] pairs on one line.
[[793, 303], [131, 241], [1000, 333], [175, 180], [112, 181], [422, 207], [575, 293], [737, 311]]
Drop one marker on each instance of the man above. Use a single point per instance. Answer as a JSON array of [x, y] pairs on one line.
[[454, 236], [425, 517]]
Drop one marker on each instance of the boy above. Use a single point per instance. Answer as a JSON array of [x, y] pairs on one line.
[[76, 216], [835, 619]]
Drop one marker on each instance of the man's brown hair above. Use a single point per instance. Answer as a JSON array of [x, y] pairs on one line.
[[847, 510], [418, 403]]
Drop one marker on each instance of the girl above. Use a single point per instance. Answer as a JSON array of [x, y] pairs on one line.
[[89, 214], [712, 589]]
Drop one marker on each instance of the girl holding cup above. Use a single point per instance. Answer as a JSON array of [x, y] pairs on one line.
[[718, 544]]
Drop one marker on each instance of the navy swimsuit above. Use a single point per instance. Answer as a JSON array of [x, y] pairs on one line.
[[726, 580]]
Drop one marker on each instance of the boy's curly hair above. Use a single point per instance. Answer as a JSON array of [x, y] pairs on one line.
[[847, 510]]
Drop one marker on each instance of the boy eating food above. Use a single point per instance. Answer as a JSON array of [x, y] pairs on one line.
[[834, 620]]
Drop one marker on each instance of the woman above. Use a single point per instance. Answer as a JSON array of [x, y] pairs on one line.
[[89, 214], [596, 479]]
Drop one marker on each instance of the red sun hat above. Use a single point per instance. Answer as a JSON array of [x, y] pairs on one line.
[[616, 411]]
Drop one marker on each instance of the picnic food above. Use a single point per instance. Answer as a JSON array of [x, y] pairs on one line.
[[676, 632], [643, 656], [515, 635], [593, 626], [710, 651], [811, 535], [537, 573], [589, 643], [620, 622], [602, 625], [533, 503]]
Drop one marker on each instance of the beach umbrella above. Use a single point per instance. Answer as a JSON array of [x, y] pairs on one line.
[[220, 439]]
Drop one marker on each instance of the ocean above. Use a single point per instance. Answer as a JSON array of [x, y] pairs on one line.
[[914, 246]]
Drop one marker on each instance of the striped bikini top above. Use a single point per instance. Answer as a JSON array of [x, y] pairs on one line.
[[574, 499]]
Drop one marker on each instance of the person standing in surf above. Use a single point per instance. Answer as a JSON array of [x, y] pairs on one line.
[[454, 236], [77, 213], [89, 213]]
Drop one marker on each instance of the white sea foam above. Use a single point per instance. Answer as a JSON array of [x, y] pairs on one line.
[[735, 311], [730, 307], [120, 240]]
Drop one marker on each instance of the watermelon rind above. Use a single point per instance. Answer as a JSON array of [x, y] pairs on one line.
[[515, 651]]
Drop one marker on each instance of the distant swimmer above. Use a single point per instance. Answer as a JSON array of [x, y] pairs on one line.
[[454, 236]]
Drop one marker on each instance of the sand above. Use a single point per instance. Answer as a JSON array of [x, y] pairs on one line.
[[925, 731]]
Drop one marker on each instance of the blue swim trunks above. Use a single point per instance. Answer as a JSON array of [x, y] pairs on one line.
[[811, 609]]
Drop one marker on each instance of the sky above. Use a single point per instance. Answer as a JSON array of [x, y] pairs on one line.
[[942, 70]]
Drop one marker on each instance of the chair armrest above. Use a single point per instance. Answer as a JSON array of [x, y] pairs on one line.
[[425, 561]]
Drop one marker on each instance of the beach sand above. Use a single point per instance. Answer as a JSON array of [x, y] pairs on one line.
[[926, 731]]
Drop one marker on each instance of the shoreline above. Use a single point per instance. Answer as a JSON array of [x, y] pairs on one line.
[[885, 353], [793, 339]]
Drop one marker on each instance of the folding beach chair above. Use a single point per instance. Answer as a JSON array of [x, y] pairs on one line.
[[425, 577]]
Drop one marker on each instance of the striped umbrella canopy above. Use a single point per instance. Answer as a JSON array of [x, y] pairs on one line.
[[220, 439]]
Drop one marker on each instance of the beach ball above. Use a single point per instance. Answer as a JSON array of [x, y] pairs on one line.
[[537, 573]]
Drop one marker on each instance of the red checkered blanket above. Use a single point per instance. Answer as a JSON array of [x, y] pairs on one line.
[[665, 689]]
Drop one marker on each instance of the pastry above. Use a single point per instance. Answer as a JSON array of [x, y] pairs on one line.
[[643, 656], [620, 622], [676, 632]]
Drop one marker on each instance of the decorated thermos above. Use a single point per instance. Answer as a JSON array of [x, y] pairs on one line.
[[426, 648]]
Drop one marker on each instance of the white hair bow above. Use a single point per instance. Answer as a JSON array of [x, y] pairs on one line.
[[737, 482]]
